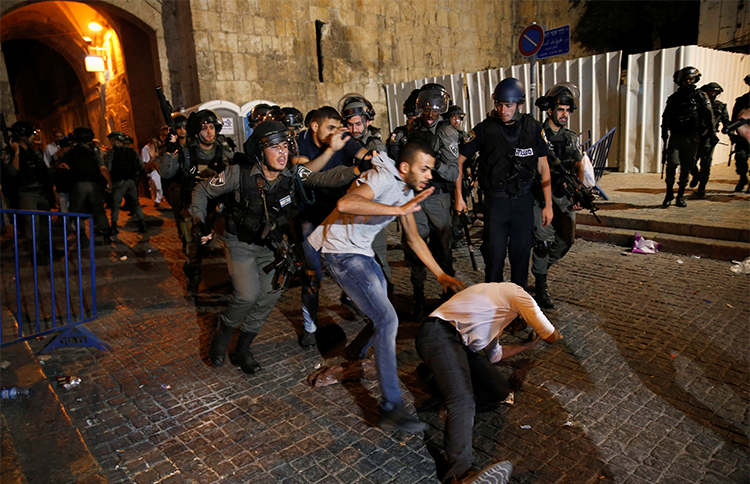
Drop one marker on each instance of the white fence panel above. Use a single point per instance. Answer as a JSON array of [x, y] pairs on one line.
[[650, 83], [480, 86]]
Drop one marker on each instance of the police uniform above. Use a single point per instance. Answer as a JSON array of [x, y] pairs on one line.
[[707, 145], [741, 146], [506, 168], [434, 221], [86, 194], [256, 214], [686, 118], [125, 167], [552, 242], [371, 139], [34, 186]]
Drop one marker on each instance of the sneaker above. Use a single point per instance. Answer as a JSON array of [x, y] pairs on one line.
[[307, 339], [398, 419], [497, 473]]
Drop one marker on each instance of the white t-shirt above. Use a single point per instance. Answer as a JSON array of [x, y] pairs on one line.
[[353, 234], [481, 312], [145, 156], [49, 152]]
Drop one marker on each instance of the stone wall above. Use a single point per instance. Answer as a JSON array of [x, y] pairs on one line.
[[266, 49]]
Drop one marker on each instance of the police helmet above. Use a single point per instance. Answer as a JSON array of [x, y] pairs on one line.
[[292, 117], [410, 105], [562, 93], [354, 104], [434, 99], [258, 113], [432, 86], [685, 74], [453, 110], [196, 121], [118, 136], [128, 139], [270, 133], [712, 87], [274, 114], [83, 135], [179, 120], [509, 90], [22, 128]]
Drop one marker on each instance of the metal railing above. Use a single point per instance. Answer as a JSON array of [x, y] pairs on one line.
[[598, 153], [70, 297]]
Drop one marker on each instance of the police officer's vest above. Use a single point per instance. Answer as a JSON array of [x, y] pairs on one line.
[[252, 220], [125, 164], [503, 167], [83, 163], [431, 139], [32, 172], [190, 173], [372, 140], [683, 111]]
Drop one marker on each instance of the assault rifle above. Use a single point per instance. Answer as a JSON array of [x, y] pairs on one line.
[[577, 192], [663, 159], [166, 112], [465, 224], [288, 264]]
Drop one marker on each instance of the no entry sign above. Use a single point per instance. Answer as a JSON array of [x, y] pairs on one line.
[[531, 40]]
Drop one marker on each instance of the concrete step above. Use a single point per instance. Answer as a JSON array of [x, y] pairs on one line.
[[665, 227], [680, 244]]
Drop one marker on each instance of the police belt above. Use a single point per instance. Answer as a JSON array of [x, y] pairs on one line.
[[506, 195]]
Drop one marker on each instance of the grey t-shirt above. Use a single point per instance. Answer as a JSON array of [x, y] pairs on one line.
[[353, 234]]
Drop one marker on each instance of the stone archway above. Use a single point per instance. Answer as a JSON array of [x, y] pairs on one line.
[[131, 44]]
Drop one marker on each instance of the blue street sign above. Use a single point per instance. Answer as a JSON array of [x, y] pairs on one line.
[[556, 42]]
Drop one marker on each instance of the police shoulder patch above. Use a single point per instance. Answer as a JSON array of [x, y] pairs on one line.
[[454, 148], [303, 172], [470, 137], [218, 180], [544, 136]]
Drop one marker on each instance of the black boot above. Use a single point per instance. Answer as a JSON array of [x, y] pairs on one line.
[[680, 202], [242, 356], [542, 295], [142, 226], [741, 184], [668, 198], [193, 276], [219, 343]]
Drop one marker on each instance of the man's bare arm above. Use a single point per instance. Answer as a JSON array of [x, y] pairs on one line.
[[359, 201], [423, 252]]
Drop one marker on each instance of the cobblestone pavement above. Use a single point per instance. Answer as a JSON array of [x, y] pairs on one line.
[[649, 385]]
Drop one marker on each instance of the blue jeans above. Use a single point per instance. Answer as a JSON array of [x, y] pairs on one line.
[[363, 281], [310, 297]]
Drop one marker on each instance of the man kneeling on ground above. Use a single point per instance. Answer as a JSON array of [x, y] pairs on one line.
[[450, 342]]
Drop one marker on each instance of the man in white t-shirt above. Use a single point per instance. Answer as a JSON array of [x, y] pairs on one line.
[[345, 239], [459, 343], [50, 151]]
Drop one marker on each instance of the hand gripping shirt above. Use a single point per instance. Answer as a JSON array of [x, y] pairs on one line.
[[353, 234]]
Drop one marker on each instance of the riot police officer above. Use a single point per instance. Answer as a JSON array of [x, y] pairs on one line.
[[261, 198], [434, 221], [741, 146], [199, 159], [30, 176], [88, 169], [686, 119], [292, 119], [395, 140], [512, 152], [708, 143], [552, 242], [455, 115], [124, 167]]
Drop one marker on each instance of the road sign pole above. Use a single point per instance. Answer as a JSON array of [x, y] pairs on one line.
[[532, 87]]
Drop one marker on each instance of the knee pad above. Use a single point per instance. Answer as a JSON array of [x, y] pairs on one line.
[[541, 247]]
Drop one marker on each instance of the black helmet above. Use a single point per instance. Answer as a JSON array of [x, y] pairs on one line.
[[433, 98], [274, 114], [453, 110], [119, 136], [258, 113], [22, 128], [270, 133], [179, 120], [747, 79], [432, 86], [292, 117], [354, 104], [83, 135], [685, 74], [565, 93], [410, 105], [712, 87], [509, 90], [197, 120]]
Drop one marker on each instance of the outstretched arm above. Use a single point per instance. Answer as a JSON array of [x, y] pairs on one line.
[[423, 252]]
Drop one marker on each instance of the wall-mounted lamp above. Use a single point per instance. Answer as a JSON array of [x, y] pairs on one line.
[[87, 39], [94, 63], [95, 26]]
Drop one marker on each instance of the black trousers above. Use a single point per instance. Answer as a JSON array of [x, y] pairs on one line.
[[463, 378], [508, 230]]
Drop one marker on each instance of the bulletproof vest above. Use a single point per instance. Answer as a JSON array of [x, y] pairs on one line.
[[372, 140], [432, 140], [32, 172], [83, 163], [252, 220], [562, 148], [125, 164], [683, 113], [190, 171], [504, 166]]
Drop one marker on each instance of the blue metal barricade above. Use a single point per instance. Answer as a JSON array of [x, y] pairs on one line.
[[598, 154], [69, 299]]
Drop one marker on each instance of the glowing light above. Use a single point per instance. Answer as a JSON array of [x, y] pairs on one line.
[[95, 26], [87, 39], [94, 63]]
